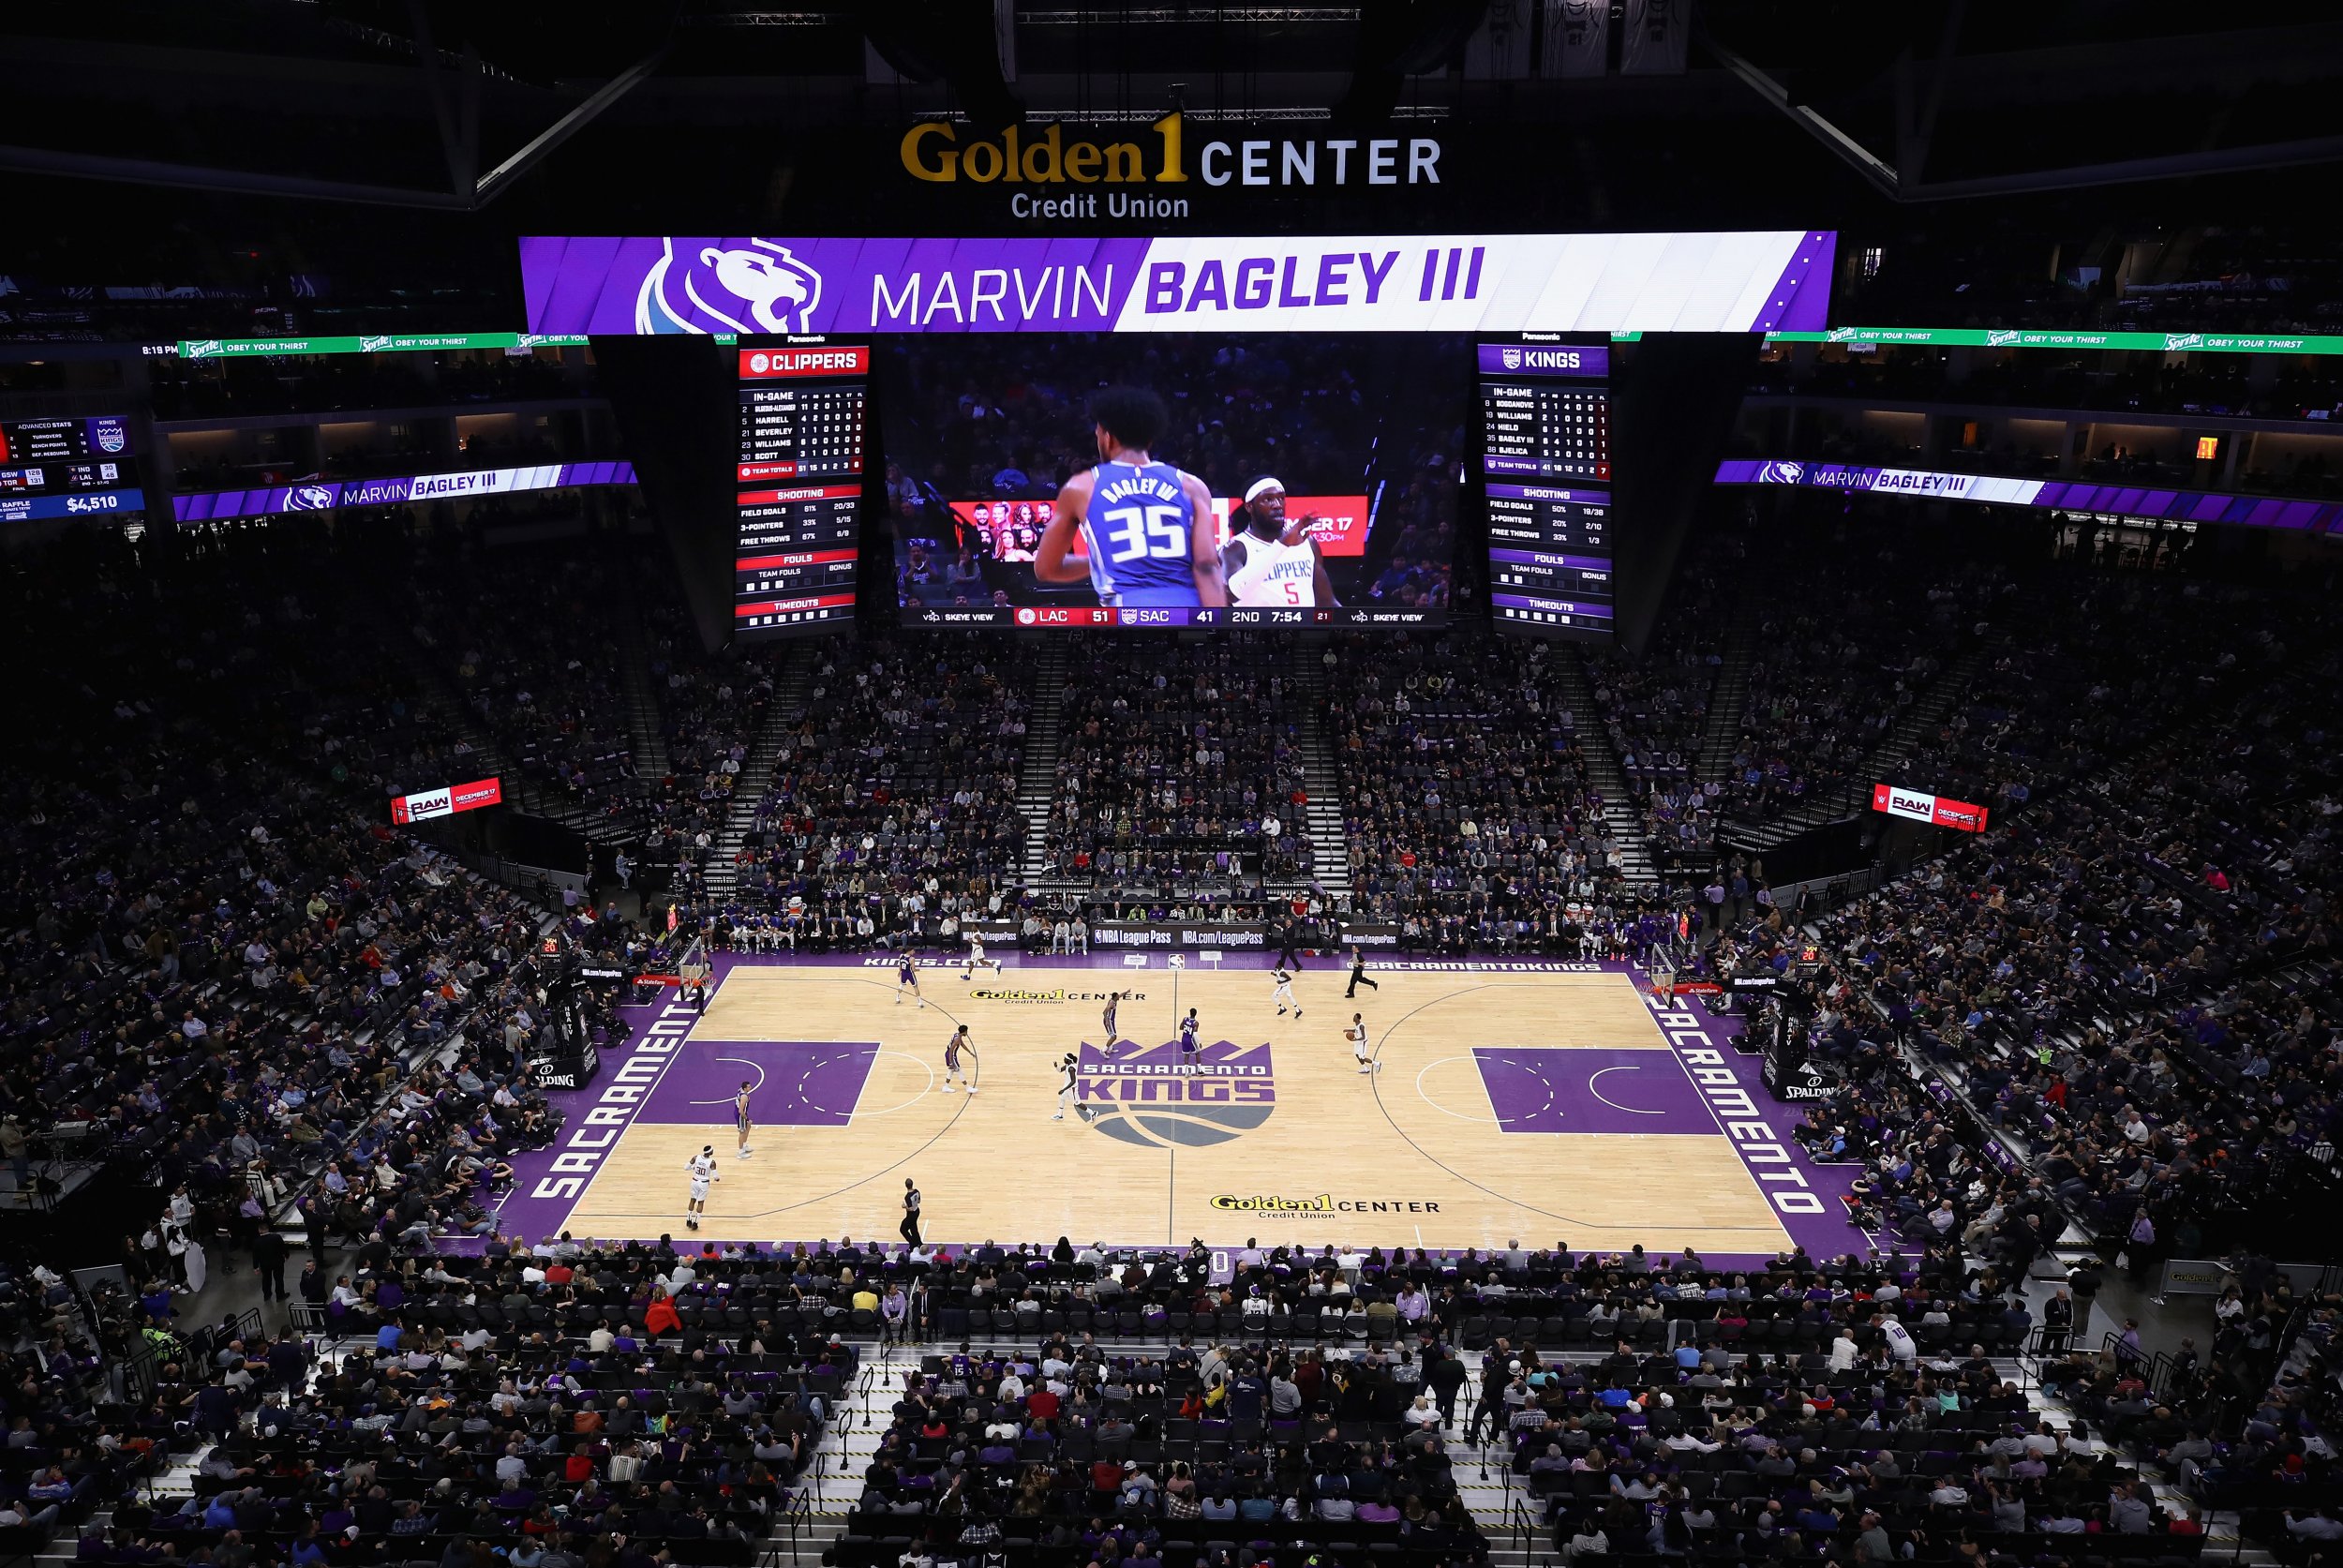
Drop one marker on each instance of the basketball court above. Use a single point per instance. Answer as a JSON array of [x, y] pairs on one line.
[[1505, 1103]]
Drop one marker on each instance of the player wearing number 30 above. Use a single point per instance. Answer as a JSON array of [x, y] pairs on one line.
[[1145, 527], [1269, 564]]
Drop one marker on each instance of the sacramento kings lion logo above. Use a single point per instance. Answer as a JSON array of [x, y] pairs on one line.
[[759, 288], [1143, 1097]]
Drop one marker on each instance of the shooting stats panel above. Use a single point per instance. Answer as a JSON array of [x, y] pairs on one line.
[[798, 484], [1546, 425]]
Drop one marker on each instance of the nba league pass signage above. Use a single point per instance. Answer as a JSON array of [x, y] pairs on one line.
[[1749, 281]]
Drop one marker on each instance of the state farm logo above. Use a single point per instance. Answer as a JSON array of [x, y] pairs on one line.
[[1151, 1098]]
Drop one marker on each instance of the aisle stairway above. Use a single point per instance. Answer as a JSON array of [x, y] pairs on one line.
[[793, 683], [1915, 724], [1036, 781], [643, 722], [1630, 844], [1307, 702], [1727, 700]]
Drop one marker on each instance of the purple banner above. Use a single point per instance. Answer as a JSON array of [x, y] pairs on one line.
[[2131, 500], [323, 496], [699, 284], [1546, 359], [1750, 281]]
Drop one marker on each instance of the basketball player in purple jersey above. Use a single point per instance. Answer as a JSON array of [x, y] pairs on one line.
[[1146, 527]]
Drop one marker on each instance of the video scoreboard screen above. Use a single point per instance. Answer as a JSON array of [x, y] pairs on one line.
[[67, 467], [1261, 479], [798, 484], [1545, 425]]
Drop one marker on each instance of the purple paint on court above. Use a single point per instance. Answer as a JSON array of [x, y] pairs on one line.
[[1590, 1090], [797, 1082]]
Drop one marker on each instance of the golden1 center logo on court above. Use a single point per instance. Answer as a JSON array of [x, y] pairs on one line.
[[1147, 1096], [1060, 994]]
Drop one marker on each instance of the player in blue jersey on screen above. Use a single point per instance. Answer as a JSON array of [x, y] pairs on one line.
[[1146, 527]]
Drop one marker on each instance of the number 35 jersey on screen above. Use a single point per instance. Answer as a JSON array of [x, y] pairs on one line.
[[1137, 532]]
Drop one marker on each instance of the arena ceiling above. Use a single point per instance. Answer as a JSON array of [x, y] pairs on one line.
[[452, 104]]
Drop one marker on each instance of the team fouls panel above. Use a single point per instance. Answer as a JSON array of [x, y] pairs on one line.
[[1546, 422], [799, 479]]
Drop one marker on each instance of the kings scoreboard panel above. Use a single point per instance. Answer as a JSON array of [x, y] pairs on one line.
[[800, 485], [1545, 427], [64, 468]]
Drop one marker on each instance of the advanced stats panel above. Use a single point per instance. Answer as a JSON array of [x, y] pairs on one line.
[[66, 467], [799, 485], [1545, 428]]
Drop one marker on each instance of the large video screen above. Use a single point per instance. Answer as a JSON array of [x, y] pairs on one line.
[[1174, 481]]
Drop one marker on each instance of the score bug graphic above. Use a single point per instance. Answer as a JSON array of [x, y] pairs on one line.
[[1146, 1098]]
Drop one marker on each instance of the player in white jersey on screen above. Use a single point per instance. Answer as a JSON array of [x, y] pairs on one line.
[[1270, 563], [703, 1170]]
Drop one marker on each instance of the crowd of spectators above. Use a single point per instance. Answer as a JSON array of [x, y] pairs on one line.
[[225, 974], [710, 712], [1654, 706], [2128, 975], [530, 641], [892, 807], [1468, 815], [1179, 769]]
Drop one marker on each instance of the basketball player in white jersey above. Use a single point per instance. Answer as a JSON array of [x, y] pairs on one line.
[[1356, 1034], [703, 1170], [977, 960], [956, 1054], [1284, 995], [1269, 564], [1069, 1079]]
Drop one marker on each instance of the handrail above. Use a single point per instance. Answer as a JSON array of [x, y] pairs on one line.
[[1518, 1521], [797, 1516]]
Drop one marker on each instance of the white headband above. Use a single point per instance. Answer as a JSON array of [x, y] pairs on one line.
[[1254, 493]]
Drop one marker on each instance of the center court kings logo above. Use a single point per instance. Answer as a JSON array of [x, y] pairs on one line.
[[1143, 1098], [759, 287]]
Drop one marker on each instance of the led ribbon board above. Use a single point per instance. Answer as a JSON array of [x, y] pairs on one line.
[[1762, 280]]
